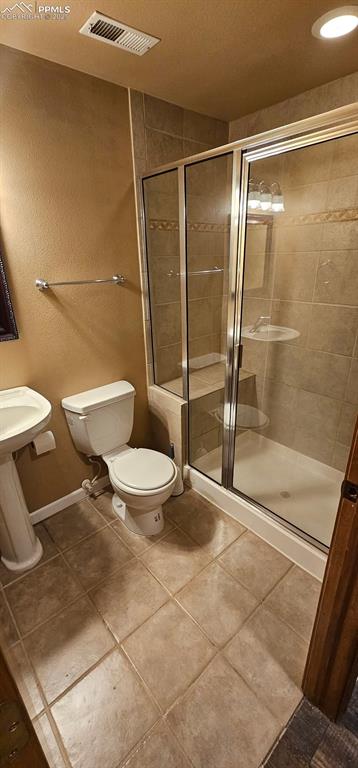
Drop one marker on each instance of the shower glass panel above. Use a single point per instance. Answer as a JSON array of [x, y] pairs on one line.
[[299, 321], [208, 209], [161, 205]]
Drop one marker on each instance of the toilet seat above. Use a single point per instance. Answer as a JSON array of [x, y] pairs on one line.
[[142, 470]]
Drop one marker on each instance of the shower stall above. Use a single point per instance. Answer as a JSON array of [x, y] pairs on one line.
[[252, 253]]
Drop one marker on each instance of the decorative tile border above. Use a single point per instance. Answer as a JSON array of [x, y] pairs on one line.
[[164, 224], [348, 214], [172, 225]]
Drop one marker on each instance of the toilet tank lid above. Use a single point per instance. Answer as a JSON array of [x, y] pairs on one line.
[[84, 402]]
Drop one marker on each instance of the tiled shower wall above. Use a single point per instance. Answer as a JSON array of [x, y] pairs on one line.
[[163, 133], [208, 205], [308, 386], [329, 96]]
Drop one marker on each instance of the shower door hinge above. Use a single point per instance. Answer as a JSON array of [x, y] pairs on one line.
[[13, 732], [349, 491]]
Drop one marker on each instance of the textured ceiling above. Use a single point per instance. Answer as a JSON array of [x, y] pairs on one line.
[[221, 57]]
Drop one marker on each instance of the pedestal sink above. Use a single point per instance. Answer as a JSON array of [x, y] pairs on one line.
[[23, 414]]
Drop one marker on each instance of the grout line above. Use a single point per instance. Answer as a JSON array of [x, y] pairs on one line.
[[256, 695], [58, 739], [344, 399], [283, 621], [176, 738], [193, 682], [36, 678], [181, 137], [214, 559], [143, 682], [149, 567], [205, 297], [138, 745], [64, 550], [217, 647], [132, 631], [195, 621], [81, 677], [281, 734], [79, 596], [12, 616], [236, 578], [145, 134], [46, 712], [251, 298], [32, 570], [260, 602], [164, 712]]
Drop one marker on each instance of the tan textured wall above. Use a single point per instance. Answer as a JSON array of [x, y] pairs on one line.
[[67, 212]]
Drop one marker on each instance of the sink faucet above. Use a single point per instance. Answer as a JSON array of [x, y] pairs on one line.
[[262, 320]]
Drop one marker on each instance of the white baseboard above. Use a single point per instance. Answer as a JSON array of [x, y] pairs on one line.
[[65, 501], [292, 546]]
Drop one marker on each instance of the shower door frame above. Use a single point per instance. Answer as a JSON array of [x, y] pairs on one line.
[[330, 125]]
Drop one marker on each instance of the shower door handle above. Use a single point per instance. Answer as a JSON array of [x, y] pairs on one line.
[[238, 355]]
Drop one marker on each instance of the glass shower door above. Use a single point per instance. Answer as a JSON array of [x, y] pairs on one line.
[[208, 191], [298, 392]]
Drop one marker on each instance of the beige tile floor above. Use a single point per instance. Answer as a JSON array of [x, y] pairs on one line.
[[182, 651]]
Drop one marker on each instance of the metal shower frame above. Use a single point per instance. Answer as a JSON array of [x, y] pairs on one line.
[[313, 130]]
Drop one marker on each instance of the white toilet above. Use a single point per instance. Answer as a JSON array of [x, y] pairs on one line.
[[101, 422]]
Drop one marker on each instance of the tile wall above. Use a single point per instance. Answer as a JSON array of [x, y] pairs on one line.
[[329, 96], [163, 133]]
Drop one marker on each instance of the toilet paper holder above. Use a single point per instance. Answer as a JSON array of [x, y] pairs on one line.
[[43, 442]]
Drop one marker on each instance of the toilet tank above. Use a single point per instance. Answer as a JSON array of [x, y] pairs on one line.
[[101, 419]]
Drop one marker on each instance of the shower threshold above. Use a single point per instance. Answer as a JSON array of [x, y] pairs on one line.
[[299, 490]]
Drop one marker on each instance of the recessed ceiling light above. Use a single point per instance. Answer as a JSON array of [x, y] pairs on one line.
[[336, 23]]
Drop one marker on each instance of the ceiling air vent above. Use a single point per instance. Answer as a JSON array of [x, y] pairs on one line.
[[118, 34]]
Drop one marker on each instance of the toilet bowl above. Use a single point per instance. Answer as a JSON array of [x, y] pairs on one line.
[[101, 421], [142, 480]]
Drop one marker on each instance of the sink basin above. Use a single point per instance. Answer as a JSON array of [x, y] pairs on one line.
[[23, 414], [270, 333]]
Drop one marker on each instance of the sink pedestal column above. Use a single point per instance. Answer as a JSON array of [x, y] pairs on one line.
[[20, 548]]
